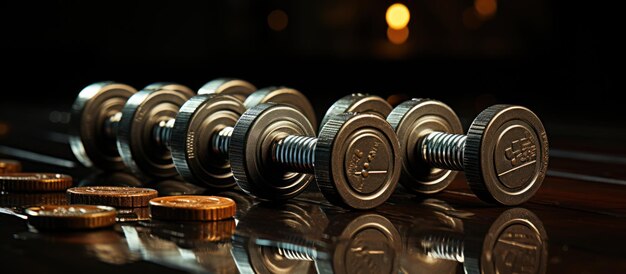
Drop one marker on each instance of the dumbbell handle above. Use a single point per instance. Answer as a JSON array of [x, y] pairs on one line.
[[294, 153], [111, 124], [443, 150]]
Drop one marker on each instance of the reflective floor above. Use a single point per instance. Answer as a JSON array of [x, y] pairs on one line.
[[575, 224]]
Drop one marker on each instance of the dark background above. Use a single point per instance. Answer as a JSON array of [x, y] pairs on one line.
[[558, 58]]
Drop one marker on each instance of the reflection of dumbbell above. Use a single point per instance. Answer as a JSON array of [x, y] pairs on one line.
[[273, 155], [506, 156], [515, 242], [290, 219], [349, 242]]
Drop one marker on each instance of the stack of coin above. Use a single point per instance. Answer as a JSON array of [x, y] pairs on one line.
[[131, 202], [192, 208], [30, 189], [70, 217]]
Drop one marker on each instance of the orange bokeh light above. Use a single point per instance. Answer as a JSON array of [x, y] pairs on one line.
[[398, 36]]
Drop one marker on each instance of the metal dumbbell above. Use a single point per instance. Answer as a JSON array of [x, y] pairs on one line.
[[504, 155], [274, 154], [431, 161], [95, 116], [142, 128], [198, 151]]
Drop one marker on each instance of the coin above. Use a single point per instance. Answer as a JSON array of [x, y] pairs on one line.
[[34, 182], [9, 166], [192, 208], [72, 217], [117, 196]]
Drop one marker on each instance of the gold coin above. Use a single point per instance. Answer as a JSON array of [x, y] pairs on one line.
[[192, 208], [117, 196], [10, 166], [34, 182], [73, 217]]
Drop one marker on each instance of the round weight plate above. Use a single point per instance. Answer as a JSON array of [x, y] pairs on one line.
[[251, 148], [170, 86], [359, 103], [91, 143], [240, 89], [136, 139], [357, 161], [412, 120], [286, 96], [198, 120], [506, 154]]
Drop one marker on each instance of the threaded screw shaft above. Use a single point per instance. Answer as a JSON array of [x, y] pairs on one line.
[[221, 141], [447, 247], [163, 131], [111, 124], [296, 153], [443, 150], [300, 250]]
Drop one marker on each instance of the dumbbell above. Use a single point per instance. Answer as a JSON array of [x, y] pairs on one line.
[[95, 116], [504, 155], [142, 127], [265, 160], [510, 174], [274, 154]]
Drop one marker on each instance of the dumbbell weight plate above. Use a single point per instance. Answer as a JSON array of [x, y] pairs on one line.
[[240, 89], [135, 139], [359, 103], [286, 96], [170, 86], [506, 154], [90, 112], [197, 121], [356, 160], [251, 154], [412, 120]]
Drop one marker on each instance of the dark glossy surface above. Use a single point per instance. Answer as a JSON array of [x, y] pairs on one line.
[[574, 224]]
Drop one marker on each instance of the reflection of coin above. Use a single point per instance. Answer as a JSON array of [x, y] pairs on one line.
[[192, 208], [32, 182], [116, 196], [9, 166], [32, 199], [52, 217]]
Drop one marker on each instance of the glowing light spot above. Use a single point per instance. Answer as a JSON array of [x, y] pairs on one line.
[[485, 8], [398, 16], [277, 20], [398, 36]]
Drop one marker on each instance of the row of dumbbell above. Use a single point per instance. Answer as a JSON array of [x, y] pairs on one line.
[[264, 141]]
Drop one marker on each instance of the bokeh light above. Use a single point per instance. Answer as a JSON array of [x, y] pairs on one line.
[[485, 8], [277, 20], [397, 16], [398, 36]]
